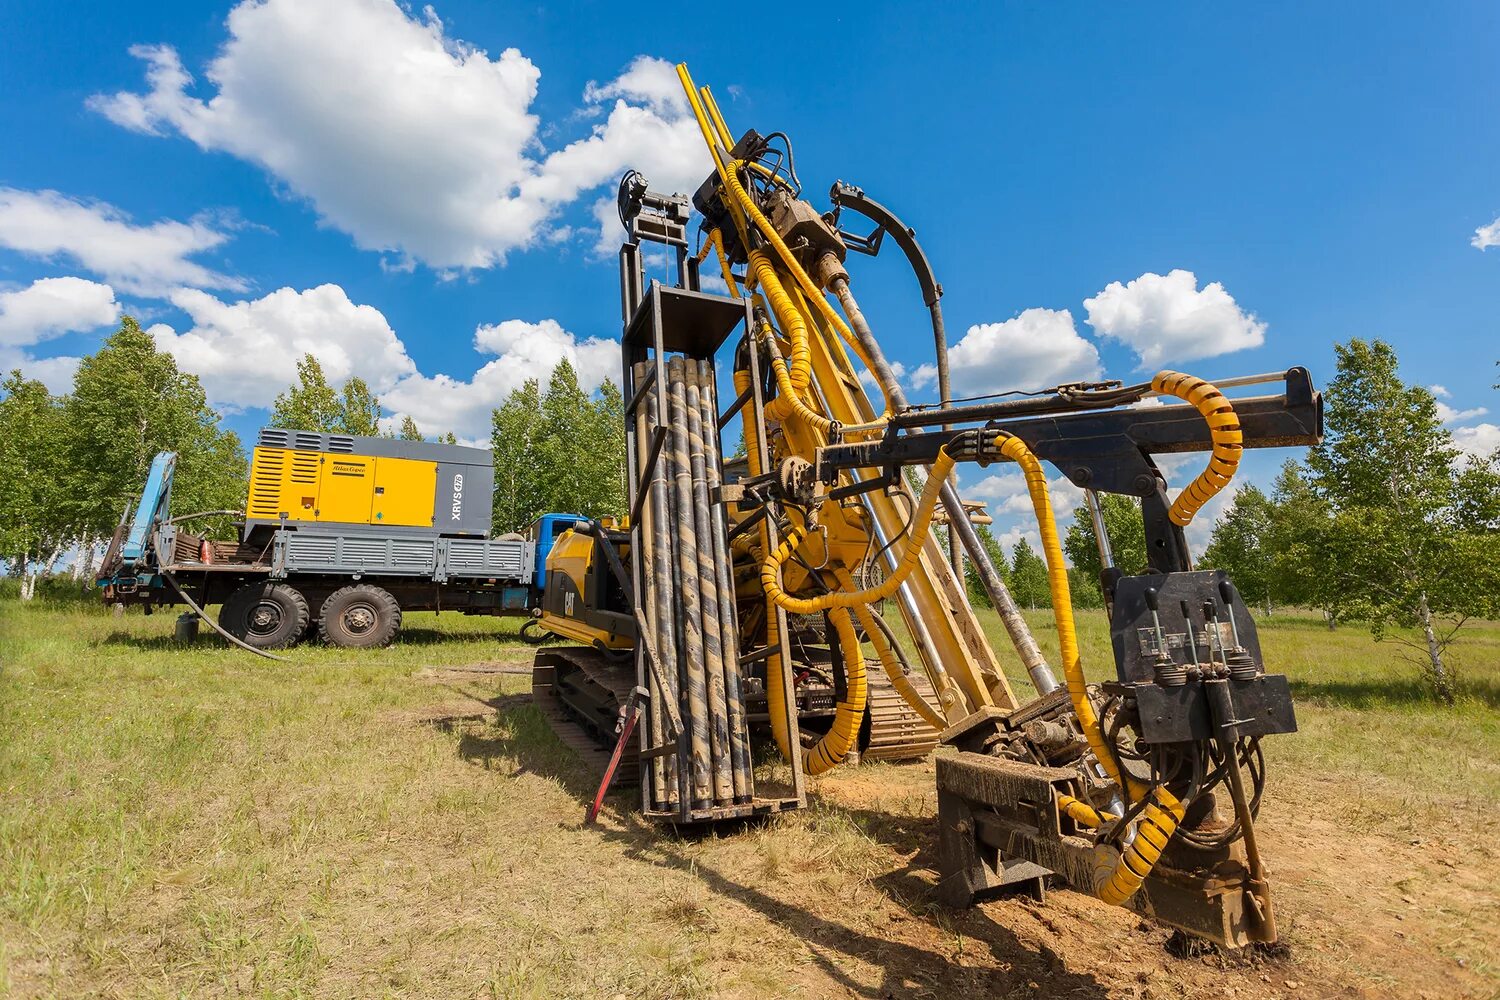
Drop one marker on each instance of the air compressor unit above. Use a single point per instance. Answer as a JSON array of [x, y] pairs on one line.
[[303, 480]]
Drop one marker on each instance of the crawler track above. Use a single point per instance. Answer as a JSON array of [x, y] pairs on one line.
[[580, 692], [892, 731]]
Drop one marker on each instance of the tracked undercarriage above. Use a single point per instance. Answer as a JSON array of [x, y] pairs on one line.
[[582, 693]]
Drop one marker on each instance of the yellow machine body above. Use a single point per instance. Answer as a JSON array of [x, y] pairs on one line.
[[582, 601], [318, 487]]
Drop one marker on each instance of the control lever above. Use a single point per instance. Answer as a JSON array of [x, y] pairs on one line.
[[1169, 673], [1241, 666], [1211, 618], [1192, 638]]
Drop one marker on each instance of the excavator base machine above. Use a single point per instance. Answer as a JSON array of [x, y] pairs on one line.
[[739, 594]]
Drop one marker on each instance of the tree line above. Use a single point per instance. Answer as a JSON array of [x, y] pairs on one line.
[[74, 463]]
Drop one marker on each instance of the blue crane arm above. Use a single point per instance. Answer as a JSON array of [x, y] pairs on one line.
[[152, 509]]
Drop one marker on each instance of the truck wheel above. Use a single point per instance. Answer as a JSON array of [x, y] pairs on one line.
[[361, 617], [265, 615]]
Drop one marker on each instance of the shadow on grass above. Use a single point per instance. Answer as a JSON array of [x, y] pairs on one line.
[[905, 968], [1403, 695], [519, 734]]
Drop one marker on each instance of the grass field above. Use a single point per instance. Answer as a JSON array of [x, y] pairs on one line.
[[197, 822]]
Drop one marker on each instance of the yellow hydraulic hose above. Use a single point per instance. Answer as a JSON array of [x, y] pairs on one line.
[[849, 713], [787, 398], [788, 260], [839, 740], [1118, 882], [921, 523], [775, 696], [1223, 425], [1083, 813], [888, 658], [792, 322], [715, 242]]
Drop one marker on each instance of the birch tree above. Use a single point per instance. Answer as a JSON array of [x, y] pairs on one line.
[[1397, 552]]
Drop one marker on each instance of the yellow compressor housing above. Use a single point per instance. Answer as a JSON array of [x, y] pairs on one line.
[[300, 478]]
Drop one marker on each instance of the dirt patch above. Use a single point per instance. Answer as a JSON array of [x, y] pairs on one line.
[[1363, 913]]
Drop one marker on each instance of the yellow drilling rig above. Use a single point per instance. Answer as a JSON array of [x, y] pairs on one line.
[[735, 587]]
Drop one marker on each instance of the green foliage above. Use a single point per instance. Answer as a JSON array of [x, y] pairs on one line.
[[1405, 543], [1028, 577], [558, 451], [409, 430], [359, 410], [310, 404], [129, 402], [972, 583], [313, 405], [1241, 545], [1127, 538], [34, 504]]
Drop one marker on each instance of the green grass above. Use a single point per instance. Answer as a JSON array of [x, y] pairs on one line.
[[195, 821], [1361, 706]]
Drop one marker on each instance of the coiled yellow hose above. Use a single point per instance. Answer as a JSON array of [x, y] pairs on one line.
[[849, 713], [1224, 428], [921, 524], [888, 658], [788, 401], [1118, 882]]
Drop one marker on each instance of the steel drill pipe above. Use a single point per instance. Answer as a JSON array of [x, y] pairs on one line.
[[690, 615], [708, 595], [663, 571], [739, 738], [654, 728]]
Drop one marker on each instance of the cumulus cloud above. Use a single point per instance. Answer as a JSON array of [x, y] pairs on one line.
[[1479, 441], [1452, 415], [1038, 348], [51, 307], [1486, 236], [45, 310], [246, 352], [523, 350], [1168, 318], [402, 136], [148, 260]]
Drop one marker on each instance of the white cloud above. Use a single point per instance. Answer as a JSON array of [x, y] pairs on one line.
[[246, 352], [523, 351], [404, 137], [995, 486], [1486, 236], [1451, 415], [51, 307], [55, 373], [1440, 391], [1038, 348], [47, 309], [148, 260], [1479, 441], [1166, 318]]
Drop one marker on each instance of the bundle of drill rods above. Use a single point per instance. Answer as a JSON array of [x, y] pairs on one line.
[[689, 598]]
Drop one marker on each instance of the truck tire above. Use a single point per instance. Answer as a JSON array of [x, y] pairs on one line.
[[265, 615], [360, 617]]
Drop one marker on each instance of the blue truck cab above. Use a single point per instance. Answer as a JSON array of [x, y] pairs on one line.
[[545, 530]]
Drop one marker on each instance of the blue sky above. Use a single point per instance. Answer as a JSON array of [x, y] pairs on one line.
[[415, 195]]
